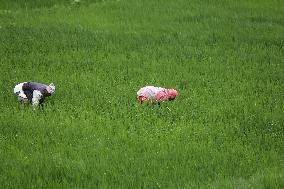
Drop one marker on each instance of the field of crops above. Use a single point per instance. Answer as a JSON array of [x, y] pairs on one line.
[[225, 129]]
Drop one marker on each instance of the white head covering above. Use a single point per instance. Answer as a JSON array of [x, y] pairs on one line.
[[18, 90], [51, 88]]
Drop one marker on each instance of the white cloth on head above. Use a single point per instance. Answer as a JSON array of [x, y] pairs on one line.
[[18, 90]]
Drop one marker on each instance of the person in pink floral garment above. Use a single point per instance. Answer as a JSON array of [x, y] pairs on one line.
[[156, 94]]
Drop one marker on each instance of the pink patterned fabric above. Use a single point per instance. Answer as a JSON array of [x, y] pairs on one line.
[[151, 93], [166, 94]]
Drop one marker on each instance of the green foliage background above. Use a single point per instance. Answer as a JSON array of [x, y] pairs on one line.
[[225, 130]]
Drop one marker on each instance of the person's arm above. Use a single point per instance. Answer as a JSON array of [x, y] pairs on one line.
[[37, 95], [161, 96]]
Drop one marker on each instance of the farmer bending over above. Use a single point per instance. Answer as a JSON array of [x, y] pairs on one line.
[[32, 92], [156, 94]]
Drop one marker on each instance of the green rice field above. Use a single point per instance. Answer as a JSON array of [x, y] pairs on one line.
[[224, 130]]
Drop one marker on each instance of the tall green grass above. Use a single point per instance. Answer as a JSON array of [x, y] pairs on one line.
[[38, 4], [225, 130]]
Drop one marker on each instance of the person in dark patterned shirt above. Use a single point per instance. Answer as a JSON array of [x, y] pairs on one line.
[[33, 92]]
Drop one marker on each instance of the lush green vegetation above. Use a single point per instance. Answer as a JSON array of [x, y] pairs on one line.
[[225, 58]]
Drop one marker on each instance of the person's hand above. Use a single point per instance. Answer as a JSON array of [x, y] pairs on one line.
[[142, 99], [25, 101]]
